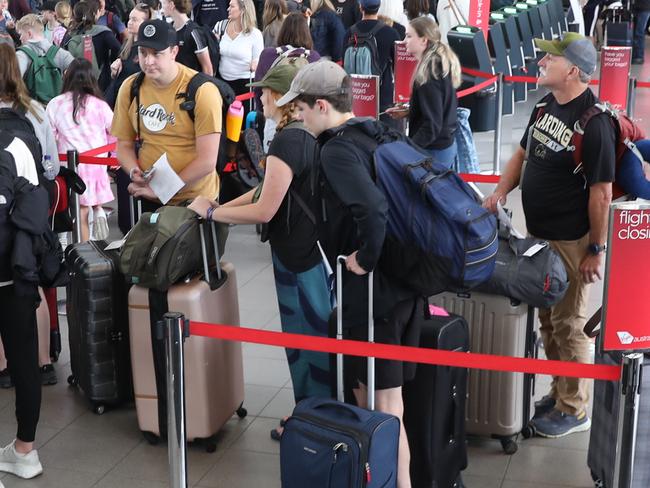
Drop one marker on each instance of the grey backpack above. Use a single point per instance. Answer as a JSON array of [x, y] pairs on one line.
[[527, 269]]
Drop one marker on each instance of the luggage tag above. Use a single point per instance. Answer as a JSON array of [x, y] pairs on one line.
[[535, 248], [115, 244]]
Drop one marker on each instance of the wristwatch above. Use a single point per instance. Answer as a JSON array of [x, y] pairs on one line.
[[596, 249]]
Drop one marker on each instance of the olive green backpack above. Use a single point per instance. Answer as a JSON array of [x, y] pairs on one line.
[[164, 248]]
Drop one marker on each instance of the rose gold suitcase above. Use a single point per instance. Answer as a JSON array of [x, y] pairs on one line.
[[214, 377]]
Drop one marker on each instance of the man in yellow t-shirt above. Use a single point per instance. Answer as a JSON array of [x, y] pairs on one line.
[[163, 124]]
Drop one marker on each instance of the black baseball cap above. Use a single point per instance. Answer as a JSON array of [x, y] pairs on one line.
[[156, 34]]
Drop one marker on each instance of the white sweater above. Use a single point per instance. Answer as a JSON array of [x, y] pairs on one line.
[[237, 54]]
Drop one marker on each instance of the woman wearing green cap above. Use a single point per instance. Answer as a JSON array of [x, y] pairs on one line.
[[285, 203]]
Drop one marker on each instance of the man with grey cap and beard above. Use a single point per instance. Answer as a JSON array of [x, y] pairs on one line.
[[567, 207]]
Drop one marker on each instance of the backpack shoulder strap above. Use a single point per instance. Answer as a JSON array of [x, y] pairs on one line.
[[29, 52], [580, 126], [196, 82], [51, 53], [135, 94], [376, 28]]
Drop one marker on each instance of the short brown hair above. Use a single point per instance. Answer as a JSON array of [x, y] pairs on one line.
[[183, 6], [340, 102]]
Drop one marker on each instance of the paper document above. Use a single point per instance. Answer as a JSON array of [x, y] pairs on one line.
[[164, 181], [115, 244]]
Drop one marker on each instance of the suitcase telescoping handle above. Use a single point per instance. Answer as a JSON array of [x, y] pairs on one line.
[[135, 209], [204, 249], [339, 334]]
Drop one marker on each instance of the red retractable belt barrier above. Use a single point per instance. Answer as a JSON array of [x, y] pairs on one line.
[[90, 156], [406, 353]]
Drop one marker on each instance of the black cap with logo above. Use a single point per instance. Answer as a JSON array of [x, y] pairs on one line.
[[156, 34]]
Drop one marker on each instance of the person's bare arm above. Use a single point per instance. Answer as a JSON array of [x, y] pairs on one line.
[[508, 181], [205, 62], [600, 196], [128, 160]]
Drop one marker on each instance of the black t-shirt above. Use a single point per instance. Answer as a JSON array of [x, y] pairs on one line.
[[348, 11], [386, 37], [209, 12], [555, 198], [292, 234], [191, 40]]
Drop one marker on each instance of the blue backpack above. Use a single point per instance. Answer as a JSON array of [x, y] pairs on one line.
[[434, 218]]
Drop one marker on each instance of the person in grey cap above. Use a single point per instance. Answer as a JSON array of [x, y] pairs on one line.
[[569, 208], [354, 214]]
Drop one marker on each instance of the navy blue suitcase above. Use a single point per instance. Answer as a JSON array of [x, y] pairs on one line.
[[328, 443]]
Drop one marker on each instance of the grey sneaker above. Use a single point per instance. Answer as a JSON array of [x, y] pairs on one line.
[[48, 375], [544, 406], [100, 224], [22, 465], [558, 424]]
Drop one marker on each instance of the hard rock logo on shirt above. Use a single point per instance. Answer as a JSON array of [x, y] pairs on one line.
[[552, 133], [155, 118]]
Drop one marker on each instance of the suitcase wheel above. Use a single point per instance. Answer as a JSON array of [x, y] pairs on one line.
[[99, 409], [209, 443], [151, 438], [72, 381], [509, 445], [529, 431], [241, 411]]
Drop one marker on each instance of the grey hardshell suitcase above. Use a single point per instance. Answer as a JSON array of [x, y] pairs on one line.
[[602, 441], [498, 403]]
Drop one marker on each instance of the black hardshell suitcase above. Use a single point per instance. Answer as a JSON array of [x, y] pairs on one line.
[[618, 27], [434, 408], [602, 440], [98, 324]]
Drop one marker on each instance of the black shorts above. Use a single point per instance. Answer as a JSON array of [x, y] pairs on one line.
[[400, 328]]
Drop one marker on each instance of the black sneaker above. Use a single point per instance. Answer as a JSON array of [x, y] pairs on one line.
[[544, 406], [48, 375], [637, 61], [5, 379]]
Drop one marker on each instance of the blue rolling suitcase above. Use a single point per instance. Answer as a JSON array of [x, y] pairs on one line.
[[328, 443]]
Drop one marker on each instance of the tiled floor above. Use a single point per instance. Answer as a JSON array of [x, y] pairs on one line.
[[80, 449]]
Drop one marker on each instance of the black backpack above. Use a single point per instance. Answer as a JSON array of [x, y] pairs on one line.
[[189, 103], [18, 125], [211, 39]]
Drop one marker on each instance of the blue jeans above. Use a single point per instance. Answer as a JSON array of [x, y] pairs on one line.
[[445, 156], [638, 43]]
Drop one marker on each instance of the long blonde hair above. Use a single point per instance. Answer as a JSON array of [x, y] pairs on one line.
[[63, 13], [248, 17], [438, 60]]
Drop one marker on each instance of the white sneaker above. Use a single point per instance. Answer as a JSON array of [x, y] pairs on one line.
[[22, 465], [100, 224]]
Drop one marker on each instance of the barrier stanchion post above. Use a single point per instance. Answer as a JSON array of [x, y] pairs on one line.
[[496, 164], [628, 416], [631, 96], [175, 327], [73, 161]]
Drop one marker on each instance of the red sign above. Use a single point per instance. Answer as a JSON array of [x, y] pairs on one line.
[[626, 300], [614, 75], [365, 96], [405, 65], [479, 15]]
